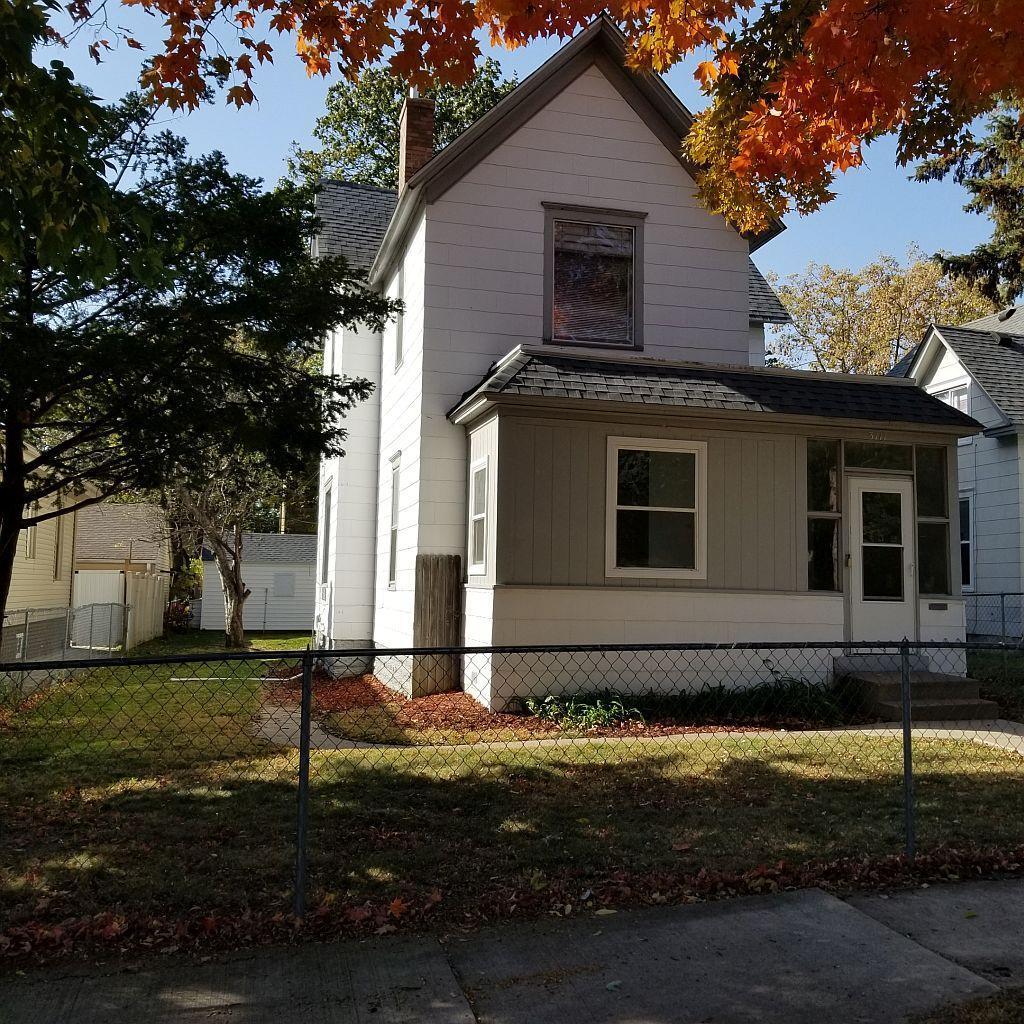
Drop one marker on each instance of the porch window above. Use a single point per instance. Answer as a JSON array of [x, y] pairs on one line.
[[593, 277], [657, 502], [478, 517], [824, 516], [930, 480]]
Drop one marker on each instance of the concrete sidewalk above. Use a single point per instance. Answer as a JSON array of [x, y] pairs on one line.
[[793, 958]]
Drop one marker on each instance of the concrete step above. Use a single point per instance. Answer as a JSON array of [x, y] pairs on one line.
[[937, 710], [876, 686]]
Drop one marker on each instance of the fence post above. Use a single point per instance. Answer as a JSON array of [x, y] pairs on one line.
[[305, 710], [908, 760], [25, 656], [92, 626], [1002, 616]]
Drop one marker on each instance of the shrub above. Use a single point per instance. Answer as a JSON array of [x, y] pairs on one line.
[[176, 616], [598, 712]]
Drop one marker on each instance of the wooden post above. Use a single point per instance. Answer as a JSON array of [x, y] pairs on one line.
[[437, 622]]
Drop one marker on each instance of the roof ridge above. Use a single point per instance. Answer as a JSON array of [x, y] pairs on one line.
[[366, 186]]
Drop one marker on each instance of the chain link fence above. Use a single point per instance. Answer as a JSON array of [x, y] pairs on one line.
[[34, 634], [997, 617], [365, 786]]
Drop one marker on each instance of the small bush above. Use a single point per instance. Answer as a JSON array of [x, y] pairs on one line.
[[176, 617], [600, 712]]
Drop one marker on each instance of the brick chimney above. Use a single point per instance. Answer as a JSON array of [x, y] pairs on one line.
[[416, 136]]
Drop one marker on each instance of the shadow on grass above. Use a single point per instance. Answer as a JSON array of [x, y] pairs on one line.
[[399, 822]]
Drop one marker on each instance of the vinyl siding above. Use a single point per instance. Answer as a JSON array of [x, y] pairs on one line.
[[263, 606], [989, 470], [33, 585]]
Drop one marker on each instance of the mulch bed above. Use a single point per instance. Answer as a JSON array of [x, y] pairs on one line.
[[458, 712]]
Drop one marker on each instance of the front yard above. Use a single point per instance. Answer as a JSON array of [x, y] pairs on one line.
[[139, 794]]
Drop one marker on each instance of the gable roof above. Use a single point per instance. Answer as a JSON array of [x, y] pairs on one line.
[[992, 352], [538, 374], [600, 43], [354, 218], [112, 532]]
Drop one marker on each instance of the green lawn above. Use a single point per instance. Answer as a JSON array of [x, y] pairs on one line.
[[141, 789]]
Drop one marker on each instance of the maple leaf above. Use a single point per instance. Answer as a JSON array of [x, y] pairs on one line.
[[397, 907]]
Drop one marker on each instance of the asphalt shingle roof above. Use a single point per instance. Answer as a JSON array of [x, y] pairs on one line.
[[354, 218], [533, 374], [278, 547], [765, 306], [110, 532], [996, 361]]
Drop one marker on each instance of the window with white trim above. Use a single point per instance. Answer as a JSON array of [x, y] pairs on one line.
[[58, 548], [967, 541], [478, 517], [657, 502], [30, 542], [959, 397], [393, 535]]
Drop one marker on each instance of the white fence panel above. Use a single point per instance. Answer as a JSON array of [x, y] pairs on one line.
[[146, 597], [98, 586]]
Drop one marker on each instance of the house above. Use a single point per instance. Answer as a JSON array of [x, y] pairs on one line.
[[573, 421], [36, 620], [280, 571], [978, 367]]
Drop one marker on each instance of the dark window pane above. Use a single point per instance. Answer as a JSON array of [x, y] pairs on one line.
[[661, 479], [593, 282], [655, 540], [931, 482], [883, 573], [965, 519], [965, 565], [823, 476], [933, 558], [870, 455], [823, 554], [882, 517]]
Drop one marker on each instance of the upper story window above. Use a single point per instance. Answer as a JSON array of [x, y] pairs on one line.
[[593, 277], [958, 397]]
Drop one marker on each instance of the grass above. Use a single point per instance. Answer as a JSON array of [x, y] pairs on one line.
[[208, 641], [142, 789], [1003, 1008]]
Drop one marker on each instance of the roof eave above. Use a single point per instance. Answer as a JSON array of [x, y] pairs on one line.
[[484, 401]]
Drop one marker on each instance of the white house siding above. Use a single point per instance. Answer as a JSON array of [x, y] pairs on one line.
[[483, 290], [990, 473], [401, 427], [345, 599], [265, 607]]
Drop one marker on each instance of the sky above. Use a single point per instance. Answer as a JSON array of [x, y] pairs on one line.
[[877, 210]]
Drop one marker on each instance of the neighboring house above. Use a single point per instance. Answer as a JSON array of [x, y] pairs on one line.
[[978, 368], [280, 571], [127, 537], [573, 418]]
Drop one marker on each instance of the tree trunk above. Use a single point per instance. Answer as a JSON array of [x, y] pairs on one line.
[[12, 510], [229, 566]]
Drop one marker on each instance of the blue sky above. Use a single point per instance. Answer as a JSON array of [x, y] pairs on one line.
[[878, 210]]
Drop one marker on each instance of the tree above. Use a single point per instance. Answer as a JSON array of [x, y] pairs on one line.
[[796, 87], [132, 372], [358, 133], [864, 321], [992, 171], [220, 504]]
